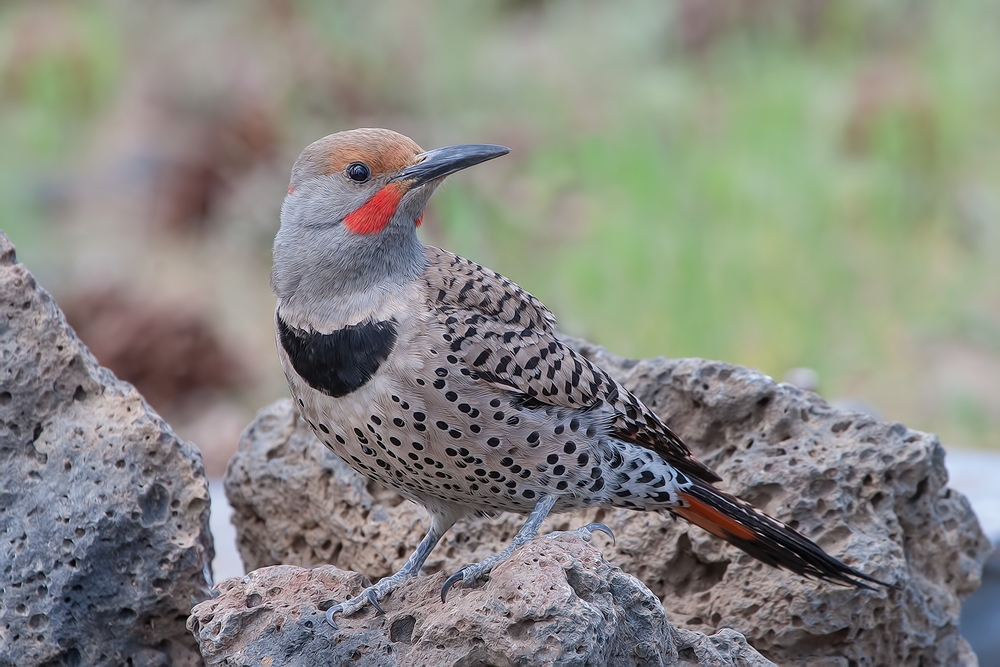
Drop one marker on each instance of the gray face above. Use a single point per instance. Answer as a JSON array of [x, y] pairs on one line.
[[316, 253], [349, 234]]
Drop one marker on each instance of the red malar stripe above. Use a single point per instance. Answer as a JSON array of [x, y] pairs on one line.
[[375, 214]]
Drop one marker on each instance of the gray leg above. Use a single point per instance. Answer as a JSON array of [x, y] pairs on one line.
[[372, 594], [469, 574]]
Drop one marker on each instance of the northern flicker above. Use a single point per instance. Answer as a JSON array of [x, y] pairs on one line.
[[444, 380]]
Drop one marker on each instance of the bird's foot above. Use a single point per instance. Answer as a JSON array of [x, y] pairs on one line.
[[470, 575], [587, 532], [369, 596]]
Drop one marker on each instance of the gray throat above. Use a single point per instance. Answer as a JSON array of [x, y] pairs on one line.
[[317, 288]]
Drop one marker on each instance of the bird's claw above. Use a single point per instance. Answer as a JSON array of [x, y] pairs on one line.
[[452, 580], [331, 612], [368, 594], [601, 528], [373, 599]]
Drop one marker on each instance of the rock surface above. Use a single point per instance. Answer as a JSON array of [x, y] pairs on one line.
[[104, 541], [555, 602], [874, 494]]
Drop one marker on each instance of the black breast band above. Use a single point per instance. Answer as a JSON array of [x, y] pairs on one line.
[[341, 362]]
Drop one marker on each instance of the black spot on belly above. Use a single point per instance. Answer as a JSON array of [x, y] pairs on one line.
[[341, 362]]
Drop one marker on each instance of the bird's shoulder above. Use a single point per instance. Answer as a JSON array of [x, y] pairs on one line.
[[504, 336], [455, 282]]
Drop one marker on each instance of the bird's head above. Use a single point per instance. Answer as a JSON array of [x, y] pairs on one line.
[[354, 202]]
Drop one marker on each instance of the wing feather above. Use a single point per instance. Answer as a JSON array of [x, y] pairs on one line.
[[505, 336]]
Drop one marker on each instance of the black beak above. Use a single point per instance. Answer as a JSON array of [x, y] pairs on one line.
[[440, 162]]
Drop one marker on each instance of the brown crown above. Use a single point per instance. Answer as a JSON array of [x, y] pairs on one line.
[[384, 151]]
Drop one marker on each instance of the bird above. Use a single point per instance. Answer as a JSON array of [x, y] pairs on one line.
[[447, 382]]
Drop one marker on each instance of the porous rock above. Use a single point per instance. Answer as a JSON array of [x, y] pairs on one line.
[[872, 493], [556, 601], [104, 540]]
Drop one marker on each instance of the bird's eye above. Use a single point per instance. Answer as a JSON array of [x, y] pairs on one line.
[[358, 172]]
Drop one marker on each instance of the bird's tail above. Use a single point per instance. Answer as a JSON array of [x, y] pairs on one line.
[[766, 539]]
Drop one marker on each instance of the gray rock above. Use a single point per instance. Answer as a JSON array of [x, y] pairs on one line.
[[104, 541], [872, 493], [556, 602]]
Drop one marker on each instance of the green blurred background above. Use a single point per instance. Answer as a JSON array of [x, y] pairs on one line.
[[776, 184]]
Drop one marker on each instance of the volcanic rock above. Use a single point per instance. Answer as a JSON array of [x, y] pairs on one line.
[[104, 540], [556, 601]]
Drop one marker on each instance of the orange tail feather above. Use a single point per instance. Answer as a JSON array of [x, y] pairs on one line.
[[763, 537]]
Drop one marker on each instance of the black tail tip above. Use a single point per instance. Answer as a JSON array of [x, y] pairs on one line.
[[768, 539], [859, 579]]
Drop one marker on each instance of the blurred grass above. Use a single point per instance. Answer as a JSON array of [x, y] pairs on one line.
[[777, 189], [59, 69]]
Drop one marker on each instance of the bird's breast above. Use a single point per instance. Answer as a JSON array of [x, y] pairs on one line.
[[342, 361]]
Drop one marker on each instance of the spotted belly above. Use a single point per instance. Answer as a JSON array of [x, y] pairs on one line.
[[389, 437], [421, 424], [395, 442]]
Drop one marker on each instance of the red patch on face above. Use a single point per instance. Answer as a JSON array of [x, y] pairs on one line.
[[376, 213], [291, 189], [419, 220]]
